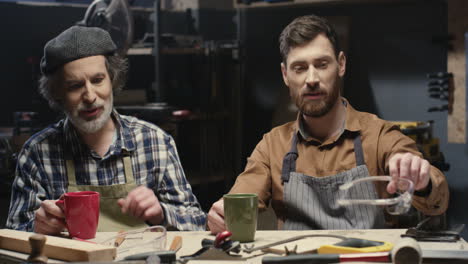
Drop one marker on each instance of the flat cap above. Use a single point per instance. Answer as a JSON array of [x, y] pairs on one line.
[[75, 43]]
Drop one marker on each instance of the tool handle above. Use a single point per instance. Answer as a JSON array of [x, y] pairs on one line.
[[407, 250], [366, 257], [176, 243], [120, 238], [37, 242], [329, 258], [303, 259], [165, 256], [221, 237], [207, 242]]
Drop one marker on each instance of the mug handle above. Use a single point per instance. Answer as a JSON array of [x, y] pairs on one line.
[[60, 203]]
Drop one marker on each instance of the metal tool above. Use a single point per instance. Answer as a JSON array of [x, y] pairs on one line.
[[407, 251], [223, 242], [252, 248], [219, 249], [425, 232], [286, 251], [347, 245], [150, 257]]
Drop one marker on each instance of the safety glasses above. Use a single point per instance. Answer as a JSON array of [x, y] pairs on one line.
[[395, 206]]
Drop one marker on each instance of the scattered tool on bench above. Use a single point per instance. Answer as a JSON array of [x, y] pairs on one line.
[[427, 231], [222, 248], [407, 250], [176, 244], [347, 245], [120, 238]]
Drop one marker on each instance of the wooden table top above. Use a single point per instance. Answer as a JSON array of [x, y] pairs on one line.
[[191, 242]]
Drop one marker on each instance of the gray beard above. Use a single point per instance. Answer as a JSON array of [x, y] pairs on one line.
[[95, 125]]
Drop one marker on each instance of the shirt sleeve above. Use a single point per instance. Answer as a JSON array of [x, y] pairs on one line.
[[256, 177], [392, 141], [180, 206], [26, 193]]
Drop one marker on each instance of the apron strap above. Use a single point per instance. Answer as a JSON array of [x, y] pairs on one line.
[[127, 162], [69, 166], [289, 160], [70, 172], [358, 152]]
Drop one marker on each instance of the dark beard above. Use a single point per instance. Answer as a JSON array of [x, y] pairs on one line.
[[321, 108]]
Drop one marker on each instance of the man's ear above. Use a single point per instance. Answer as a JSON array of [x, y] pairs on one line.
[[284, 73], [341, 63]]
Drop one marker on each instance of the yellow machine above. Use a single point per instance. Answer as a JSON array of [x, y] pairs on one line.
[[421, 132]]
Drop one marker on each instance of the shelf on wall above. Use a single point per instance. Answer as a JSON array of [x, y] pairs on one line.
[[241, 3], [173, 51]]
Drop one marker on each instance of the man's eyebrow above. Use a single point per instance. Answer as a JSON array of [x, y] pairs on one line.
[[294, 63], [72, 80], [99, 74], [321, 58]]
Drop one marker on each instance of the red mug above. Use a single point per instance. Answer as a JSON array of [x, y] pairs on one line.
[[81, 213]]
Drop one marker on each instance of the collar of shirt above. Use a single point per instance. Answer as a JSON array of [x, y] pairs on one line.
[[123, 143], [351, 124]]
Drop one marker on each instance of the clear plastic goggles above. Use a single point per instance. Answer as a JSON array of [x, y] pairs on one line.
[[395, 206]]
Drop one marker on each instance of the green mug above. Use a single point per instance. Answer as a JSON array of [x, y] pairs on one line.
[[240, 215]]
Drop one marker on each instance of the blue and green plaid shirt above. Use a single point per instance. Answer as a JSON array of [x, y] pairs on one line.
[[41, 171]]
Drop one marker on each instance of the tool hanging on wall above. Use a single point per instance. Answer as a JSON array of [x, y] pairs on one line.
[[440, 87]]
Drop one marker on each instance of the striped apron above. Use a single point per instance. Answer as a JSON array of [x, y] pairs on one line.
[[311, 202]]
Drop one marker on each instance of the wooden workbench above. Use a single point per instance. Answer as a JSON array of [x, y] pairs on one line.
[[192, 242]]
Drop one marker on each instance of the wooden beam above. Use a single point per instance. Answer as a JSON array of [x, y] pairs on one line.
[[239, 3], [457, 26], [57, 247]]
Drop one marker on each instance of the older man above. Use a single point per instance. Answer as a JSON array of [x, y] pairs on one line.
[[300, 166], [133, 164]]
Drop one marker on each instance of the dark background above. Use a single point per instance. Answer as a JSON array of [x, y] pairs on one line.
[[391, 48]]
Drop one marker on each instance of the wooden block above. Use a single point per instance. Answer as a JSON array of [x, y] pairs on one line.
[[57, 247]]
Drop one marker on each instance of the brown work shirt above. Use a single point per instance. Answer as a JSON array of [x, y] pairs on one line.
[[380, 140]]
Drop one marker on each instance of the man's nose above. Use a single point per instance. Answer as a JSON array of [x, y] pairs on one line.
[[312, 76], [89, 95]]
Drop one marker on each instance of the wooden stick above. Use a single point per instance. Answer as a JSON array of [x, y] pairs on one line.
[[176, 243], [120, 238]]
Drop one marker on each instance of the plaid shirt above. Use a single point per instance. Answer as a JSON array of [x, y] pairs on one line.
[[41, 171]]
